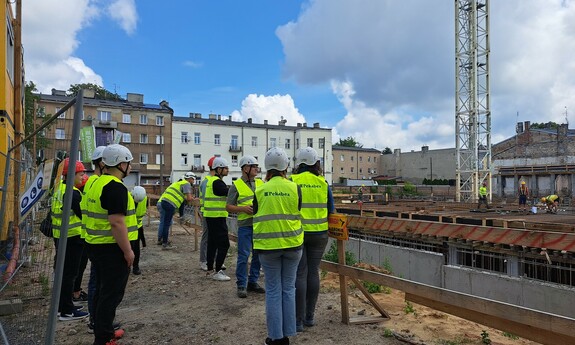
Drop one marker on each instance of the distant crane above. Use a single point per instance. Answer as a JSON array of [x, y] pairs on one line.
[[472, 109]]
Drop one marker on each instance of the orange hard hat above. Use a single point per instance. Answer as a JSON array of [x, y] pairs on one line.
[[79, 166], [211, 161]]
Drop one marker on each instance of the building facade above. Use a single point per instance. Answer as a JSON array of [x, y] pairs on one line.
[[197, 139], [355, 163], [144, 128], [415, 166]]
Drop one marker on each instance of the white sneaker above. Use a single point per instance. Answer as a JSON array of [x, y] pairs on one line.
[[204, 266], [221, 276]]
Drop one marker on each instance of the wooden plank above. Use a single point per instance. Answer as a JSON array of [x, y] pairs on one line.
[[343, 284], [366, 319], [370, 298]]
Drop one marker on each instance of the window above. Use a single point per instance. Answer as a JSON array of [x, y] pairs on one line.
[[184, 137], [184, 159], [197, 161], [310, 142], [373, 171], [197, 138], [159, 158], [369, 159], [143, 119], [41, 111], [287, 144], [360, 158], [322, 143], [217, 139], [234, 143], [351, 158], [104, 116], [341, 158], [143, 158], [143, 138], [273, 142], [60, 133], [234, 160], [361, 170], [351, 169], [374, 159], [61, 116], [254, 141], [159, 120], [159, 139], [297, 144], [126, 118], [10, 50], [126, 137], [341, 170]]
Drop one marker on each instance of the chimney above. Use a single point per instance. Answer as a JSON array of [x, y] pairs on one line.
[[198, 116], [56, 92], [135, 97], [424, 149], [299, 124], [219, 117], [89, 93], [397, 152], [212, 116], [305, 124], [250, 120], [230, 118], [316, 125], [527, 125], [265, 122], [519, 128]]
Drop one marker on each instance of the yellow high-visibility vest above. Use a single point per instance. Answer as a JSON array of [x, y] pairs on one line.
[[75, 222], [174, 193], [314, 201], [214, 206], [245, 196]]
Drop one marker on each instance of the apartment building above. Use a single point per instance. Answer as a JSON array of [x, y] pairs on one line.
[[196, 139], [139, 126], [355, 163]]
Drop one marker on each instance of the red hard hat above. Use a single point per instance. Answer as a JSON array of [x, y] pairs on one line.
[[211, 161], [79, 166]]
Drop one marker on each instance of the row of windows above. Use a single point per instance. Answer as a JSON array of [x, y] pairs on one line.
[[185, 138], [106, 116], [369, 170], [126, 137], [360, 158], [197, 160]]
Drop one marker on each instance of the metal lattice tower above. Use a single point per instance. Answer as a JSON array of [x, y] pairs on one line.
[[472, 110]]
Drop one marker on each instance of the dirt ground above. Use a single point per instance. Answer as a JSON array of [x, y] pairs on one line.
[[173, 302]]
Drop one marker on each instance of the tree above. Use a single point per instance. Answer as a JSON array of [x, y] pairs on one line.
[[386, 151], [30, 114], [100, 92], [548, 125], [349, 142]]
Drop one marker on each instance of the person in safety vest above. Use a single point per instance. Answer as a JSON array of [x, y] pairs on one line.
[[523, 195], [483, 196], [141, 200], [74, 243], [552, 203], [216, 218], [317, 204], [171, 200], [240, 200], [111, 224], [278, 240], [204, 240]]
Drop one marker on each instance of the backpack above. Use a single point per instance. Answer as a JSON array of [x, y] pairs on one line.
[[46, 225]]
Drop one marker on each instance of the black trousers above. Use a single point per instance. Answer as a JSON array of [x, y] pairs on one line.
[[218, 241], [112, 274], [72, 256], [81, 269]]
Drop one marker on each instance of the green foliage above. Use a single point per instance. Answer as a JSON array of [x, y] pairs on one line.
[[30, 113], [409, 189], [372, 287], [485, 337], [100, 92], [386, 290], [323, 274], [373, 189], [386, 151], [349, 142], [45, 284], [408, 309], [436, 182], [388, 333], [510, 335], [548, 125], [331, 255], [387, 265]]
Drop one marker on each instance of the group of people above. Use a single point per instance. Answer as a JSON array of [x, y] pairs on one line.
[[551, 201], [105, 225]]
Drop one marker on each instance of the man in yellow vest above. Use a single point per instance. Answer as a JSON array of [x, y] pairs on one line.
[[110, 226], [74, 243], [523, 195], [552, 203], [171, 200], [240, 200], [483, 196], [141, 200], [278, 240], [216, 218], [204, 239], [317, 204]]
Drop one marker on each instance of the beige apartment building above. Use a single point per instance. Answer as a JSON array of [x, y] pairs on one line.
[[354, 163]]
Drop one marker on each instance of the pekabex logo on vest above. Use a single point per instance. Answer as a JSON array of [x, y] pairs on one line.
[[305, 185], [276, 194]]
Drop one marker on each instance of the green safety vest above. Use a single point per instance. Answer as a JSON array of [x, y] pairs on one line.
[[277, 224], [98, 228], [141, 209], [75, 222], [174, 194], [314, 201], [482, 191], [214, 206], [245, 196], [84, 203]]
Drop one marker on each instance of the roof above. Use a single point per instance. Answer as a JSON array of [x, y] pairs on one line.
[[227, 122], [349, 148], [103, 102]]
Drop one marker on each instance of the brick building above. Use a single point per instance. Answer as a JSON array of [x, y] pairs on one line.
[[354, 163]]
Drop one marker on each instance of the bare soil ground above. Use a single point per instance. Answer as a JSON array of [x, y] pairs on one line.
[[173, 302]]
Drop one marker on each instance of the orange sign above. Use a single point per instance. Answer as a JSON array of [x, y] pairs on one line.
[[337, 227]]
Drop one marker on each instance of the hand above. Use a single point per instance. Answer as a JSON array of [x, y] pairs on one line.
[[129, 257], [248, 209]]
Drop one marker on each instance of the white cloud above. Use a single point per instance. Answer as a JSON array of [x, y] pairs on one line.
[[270, 108], [192, 64], [124, 12]]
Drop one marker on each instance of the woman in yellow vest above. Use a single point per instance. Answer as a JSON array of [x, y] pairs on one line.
[[317, 203], [74, 243], [278, 238], [110, 226], [141, 200]]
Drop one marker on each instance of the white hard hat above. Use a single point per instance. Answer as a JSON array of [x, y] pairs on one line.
[[115, 154], [219, 162], [308, 156], [139, 193], [276, 158], [98, 151], [248, 160], [189, 174]]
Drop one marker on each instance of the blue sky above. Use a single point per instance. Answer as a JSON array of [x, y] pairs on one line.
[[381, 71]]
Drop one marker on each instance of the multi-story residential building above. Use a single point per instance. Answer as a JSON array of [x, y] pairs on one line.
[[140, 126], [196, 139], [354, 163]]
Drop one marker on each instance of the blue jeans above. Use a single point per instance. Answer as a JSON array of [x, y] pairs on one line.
[[167, 211], [280, 267], [245, 237]]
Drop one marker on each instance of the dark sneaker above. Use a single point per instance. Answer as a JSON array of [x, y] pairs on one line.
[[309, 322], [168, 246], [255, 287], [75, 315], [116, 326], [159, 242], [299, 326], [82, 298], [137, 271], [282, 341], [242, 292]]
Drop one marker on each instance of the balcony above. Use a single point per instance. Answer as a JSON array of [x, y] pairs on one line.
[[198, 168], [235, 148]]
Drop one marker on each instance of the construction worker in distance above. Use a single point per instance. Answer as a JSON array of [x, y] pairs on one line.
[[523, 196], [171, 200], [141, 201], [204, 239], [552, 203], [110, 226], [240, 200], [483, 196], [74, 243], [316, 205], [216, 218], [360, 191]]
